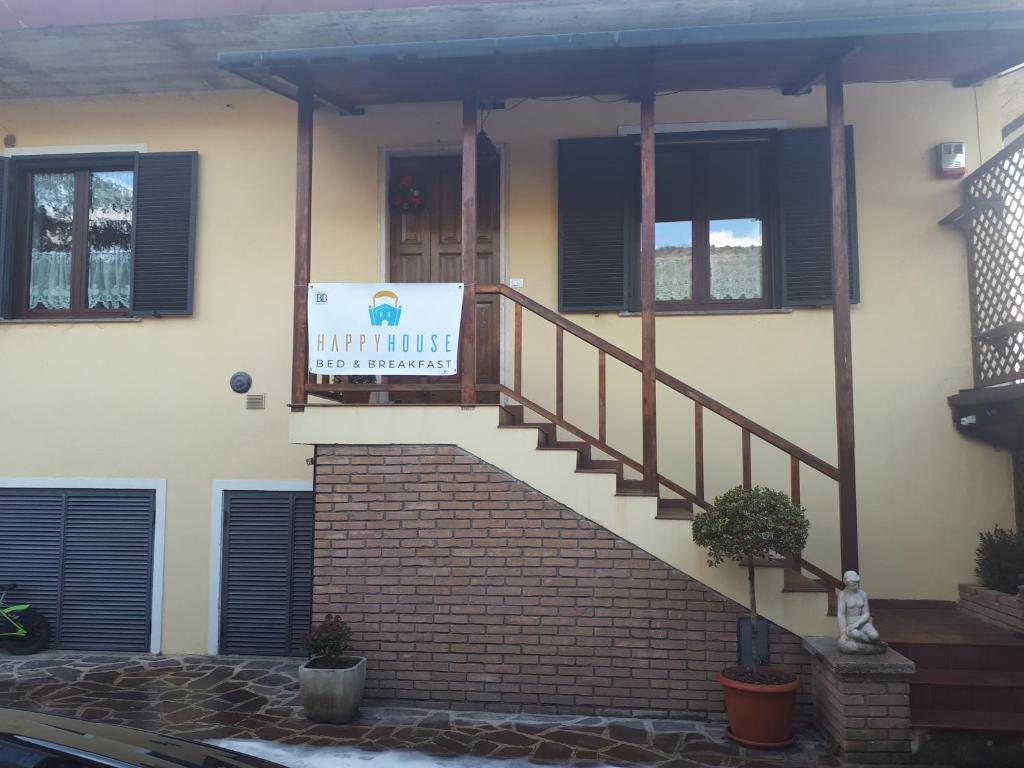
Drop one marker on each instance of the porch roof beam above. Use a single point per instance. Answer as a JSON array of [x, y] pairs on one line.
[[323, 94], [1001, 66], [837, 52], [977, 21], [290, 86]]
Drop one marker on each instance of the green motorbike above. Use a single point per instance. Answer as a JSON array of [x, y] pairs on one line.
[[23, 630]]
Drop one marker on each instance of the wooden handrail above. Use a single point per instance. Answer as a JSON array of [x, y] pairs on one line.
[[822, 574], [553, 317], [667, 379]]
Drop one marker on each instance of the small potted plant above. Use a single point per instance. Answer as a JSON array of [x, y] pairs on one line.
[[331, 683], [744, 525]]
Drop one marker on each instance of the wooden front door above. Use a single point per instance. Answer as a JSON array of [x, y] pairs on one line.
[[426, 247]]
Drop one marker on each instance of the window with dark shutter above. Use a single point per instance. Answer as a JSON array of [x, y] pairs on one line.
[[96, 236], [743, 221], [806, 205], [165, 225], [595, 179]]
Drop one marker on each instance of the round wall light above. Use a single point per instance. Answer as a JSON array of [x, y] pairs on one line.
[[241, 382]]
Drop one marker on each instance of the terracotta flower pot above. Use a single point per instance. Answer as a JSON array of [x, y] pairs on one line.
[[760, 715]]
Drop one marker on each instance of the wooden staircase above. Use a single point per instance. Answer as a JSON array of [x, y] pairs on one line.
[[970, 675], [513, 416], [589, 437]]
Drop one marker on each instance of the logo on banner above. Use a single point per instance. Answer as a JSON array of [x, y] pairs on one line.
[[382, 313]]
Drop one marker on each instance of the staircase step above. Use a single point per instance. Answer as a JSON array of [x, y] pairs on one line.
[[940, 655], [797, 582], [545, 432], [965, 693], [510, 414], [632, 488], [967, 720], [988, 678], [583, 449], [601, 465], [675, 509]]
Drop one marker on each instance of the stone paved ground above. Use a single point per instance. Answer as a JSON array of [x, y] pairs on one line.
[[202, 697]]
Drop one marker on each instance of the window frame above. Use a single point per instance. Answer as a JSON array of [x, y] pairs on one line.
[[767, 143], [81, 165]]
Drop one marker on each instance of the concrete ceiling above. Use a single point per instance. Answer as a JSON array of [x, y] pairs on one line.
[[179, 54], [1011, 97]]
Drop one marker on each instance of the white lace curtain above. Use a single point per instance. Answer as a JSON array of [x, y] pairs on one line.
[[110, 280]]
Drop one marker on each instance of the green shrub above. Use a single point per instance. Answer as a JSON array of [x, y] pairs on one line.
[[1000, 560], [747, 524], [329, 641]]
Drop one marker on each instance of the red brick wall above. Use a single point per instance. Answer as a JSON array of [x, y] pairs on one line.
[[468, 589]]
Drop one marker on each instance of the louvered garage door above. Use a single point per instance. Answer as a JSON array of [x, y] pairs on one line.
[[85, 559], [267, 581]]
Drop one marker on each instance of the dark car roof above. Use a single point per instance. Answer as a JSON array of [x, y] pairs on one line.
[[114, 744]]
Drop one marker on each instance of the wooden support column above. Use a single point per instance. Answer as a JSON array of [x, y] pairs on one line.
[[647, 322], [841, 319], [303, 224], [468, 345]]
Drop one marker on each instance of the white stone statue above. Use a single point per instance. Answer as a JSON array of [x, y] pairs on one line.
[[856, 633]]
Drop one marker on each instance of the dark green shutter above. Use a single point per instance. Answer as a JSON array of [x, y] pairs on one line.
[[595, 180], [806, 203], [267, 579], [6, 234], [164, 233]]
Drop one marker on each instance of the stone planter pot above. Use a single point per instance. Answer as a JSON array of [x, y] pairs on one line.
[[332, 695], [760, 716]]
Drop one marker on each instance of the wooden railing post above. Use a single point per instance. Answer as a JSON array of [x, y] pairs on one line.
[[559, 372], [303, 224], [647, 341], [698, 449], [841, 319], [468, 345], [519, 348]]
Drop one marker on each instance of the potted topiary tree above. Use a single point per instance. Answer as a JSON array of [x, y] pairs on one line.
[[331, 683], [744, 525]]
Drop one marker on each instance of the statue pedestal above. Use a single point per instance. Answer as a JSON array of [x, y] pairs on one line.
[[862, 702]]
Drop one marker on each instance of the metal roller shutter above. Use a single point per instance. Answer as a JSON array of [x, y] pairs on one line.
[[84, 558], [267, 578], [108, 577], [31, 524]]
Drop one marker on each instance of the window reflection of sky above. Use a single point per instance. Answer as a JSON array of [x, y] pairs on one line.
[[673, 234], [727, 232]]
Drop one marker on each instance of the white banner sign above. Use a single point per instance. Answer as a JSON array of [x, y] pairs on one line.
[[391, 329]]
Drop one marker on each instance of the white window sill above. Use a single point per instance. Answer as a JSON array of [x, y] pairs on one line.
[[65, 320], [685, 312]]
